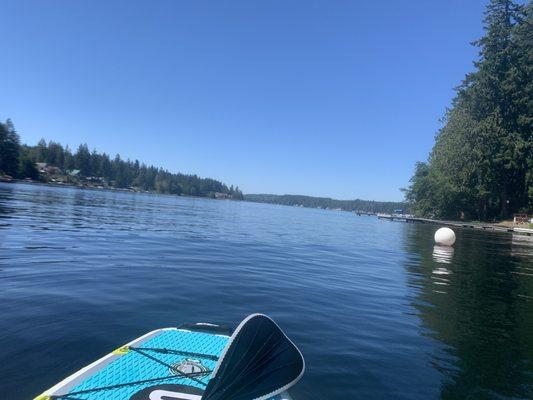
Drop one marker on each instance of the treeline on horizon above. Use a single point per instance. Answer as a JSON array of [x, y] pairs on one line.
[[327, 203], [481, 166], [19, 161]]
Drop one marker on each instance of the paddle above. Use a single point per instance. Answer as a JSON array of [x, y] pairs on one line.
[[259, 362]]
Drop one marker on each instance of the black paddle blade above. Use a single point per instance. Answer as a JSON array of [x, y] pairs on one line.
[[258, 363]]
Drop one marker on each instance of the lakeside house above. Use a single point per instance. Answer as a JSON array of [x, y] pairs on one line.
[[523, 219], [97, 180], [73, 172], [5, 178], [44, 168], [220, 195]]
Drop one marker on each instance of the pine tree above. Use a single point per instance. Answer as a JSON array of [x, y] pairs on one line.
[[481, 164], [9, 149], [83, 160], [28, 169], [70, 162], [488, 94]]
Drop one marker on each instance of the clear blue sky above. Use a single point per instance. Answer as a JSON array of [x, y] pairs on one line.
[[327, 98]]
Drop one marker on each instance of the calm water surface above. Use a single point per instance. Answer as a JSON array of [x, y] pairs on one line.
[[378, 312]]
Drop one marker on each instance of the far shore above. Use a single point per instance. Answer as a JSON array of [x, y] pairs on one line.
[[500, 226], [104, 188]]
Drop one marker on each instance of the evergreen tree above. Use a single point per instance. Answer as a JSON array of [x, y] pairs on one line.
[[105, 168], [480, 166], [117, 172], [9, 149], [27, 168], [56, 154], [42, 151], [70, 162], [83, 160]]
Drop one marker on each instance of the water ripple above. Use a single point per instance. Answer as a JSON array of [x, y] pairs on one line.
[[378, 310]]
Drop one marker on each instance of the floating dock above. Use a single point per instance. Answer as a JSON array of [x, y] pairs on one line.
[[459, 224]]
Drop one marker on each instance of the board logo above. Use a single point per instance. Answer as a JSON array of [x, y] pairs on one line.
[[168, 392], [189, 366]]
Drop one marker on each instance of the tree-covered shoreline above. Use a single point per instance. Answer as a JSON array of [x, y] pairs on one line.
[[369, 206], [481, 166], [52, 163]]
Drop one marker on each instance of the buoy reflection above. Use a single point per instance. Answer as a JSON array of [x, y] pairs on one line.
[[443, 254], [522, 245]]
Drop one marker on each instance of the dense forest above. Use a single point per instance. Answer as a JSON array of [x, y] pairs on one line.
[[90, 168], [324, 202], [481, 166]]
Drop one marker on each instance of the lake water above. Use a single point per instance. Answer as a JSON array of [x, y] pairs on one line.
[[377, 311]]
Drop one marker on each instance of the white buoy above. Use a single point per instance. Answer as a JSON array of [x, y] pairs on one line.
[[445, 237]]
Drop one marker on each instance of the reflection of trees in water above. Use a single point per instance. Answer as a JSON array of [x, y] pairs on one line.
[[6, 209], [522, 246], [97, 208], [476, 305]]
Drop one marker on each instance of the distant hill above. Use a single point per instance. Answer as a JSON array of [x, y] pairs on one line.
[[327, 203]]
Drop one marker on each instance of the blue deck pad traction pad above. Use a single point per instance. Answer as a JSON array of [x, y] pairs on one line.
[[183, 350]]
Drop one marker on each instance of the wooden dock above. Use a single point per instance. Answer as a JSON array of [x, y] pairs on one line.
[[458, 224], [395, 217], [365, 213]]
